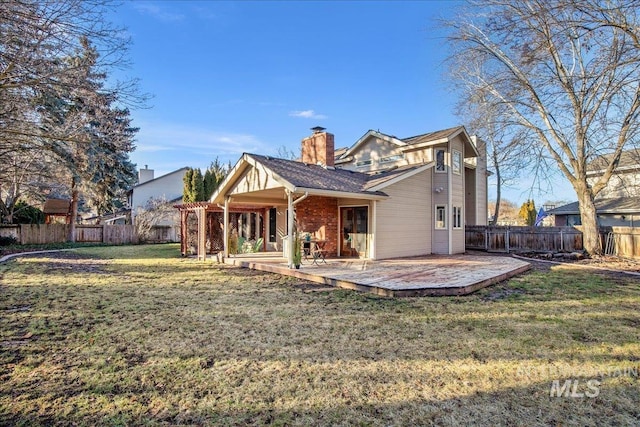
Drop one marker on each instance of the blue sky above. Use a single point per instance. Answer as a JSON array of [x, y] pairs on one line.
[[233, 77]]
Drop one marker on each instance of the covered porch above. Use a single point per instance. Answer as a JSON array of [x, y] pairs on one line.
[[323, 203]]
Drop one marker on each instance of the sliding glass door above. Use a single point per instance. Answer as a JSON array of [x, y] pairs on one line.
[[354, 223]]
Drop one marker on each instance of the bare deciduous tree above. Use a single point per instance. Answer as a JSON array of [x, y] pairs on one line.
[[568, 73]]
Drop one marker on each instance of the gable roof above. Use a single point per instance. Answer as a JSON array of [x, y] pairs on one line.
[[301, 177], [315, 177], [611, 205], [434, 136], [629, 159], [161, 177], [412, 142]]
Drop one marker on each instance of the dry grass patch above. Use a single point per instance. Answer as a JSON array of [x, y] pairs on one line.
[[137, 335]]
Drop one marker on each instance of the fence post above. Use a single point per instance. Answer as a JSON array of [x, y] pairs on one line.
[[506, 241], [486, 239], [561, 241]]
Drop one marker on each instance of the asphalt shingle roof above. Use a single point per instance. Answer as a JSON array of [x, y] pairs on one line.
[[628, 158], [317, 177], [611, 205], [431, 136]]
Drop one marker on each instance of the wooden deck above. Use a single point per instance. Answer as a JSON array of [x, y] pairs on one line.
[[434, 275]]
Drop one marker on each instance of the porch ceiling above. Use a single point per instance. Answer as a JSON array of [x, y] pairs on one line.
[[270, 197]]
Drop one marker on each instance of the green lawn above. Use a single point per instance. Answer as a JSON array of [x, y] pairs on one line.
[[136, 335]]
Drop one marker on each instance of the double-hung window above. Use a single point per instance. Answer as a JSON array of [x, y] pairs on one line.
[[441, 216]]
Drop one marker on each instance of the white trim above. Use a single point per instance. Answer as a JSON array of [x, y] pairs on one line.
[[444, 159], [435, 217], [460, 167], [369, 133], [453, 217], [370, 236], [372, 244], [427, 144], [339, 194]]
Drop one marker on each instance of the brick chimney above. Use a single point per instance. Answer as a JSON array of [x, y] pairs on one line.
[[318, 148]]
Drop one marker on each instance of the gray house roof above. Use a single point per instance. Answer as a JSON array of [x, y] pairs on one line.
[[629, 159], [424, 139], [318, 177], [305, 175], [621, 205]]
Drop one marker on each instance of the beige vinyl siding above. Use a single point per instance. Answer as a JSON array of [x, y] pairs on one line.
[[255, 179], [457, 199], [440, 237], [471, 200], [476, 186], [404, 220]]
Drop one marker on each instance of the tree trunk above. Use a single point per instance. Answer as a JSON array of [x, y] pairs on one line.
[[590, 228], [71, 237]]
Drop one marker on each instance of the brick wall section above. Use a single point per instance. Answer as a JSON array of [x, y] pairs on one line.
[[318, 148], [319, 216]]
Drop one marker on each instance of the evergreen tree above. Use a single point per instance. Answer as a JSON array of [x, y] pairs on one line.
[[213, 176], [197, 185], [188, 195], [93, 137], [528, 212]]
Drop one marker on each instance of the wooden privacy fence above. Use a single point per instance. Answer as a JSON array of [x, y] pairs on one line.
[[620, 241], [623, 241], [523, 239], [38, 234]]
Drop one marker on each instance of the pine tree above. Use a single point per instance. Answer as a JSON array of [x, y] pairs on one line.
[[89, 135]]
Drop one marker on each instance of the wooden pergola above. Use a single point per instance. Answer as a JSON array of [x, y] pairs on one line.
[[210, 227]]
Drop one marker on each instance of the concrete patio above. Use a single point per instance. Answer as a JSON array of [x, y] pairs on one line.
[[434, 275]]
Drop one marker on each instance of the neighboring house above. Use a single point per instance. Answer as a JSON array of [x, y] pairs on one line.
[[57, 208], [168, 187], [384, 197], [618, 204]]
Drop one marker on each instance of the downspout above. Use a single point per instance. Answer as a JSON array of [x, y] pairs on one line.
[[450, 200]]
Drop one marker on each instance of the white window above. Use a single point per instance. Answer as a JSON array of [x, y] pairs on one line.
[[441, 216], [457, 217], [363, 163], [389, 159], [456, 162], [440, 162]]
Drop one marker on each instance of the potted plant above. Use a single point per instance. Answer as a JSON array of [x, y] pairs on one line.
[[297, 255]]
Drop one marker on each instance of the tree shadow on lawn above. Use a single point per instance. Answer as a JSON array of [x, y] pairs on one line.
[[532, 403], [131, 354]]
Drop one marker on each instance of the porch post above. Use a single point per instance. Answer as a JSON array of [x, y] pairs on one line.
[[225, 228], [264, 230], [290, 228], [184, 235], [202, 233]]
